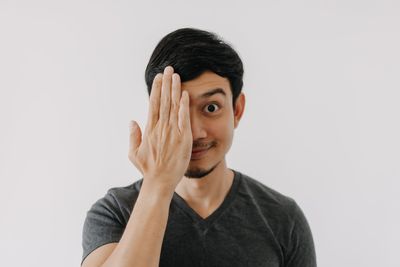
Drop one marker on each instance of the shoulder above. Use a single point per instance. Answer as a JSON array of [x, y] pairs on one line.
[[276, 207], [118, 201], [106, 219], [284, 217], [125, 193], [259, 191]]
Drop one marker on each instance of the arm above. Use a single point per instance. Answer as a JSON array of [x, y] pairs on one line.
[[141, 242], [162, 157], [301, 250]]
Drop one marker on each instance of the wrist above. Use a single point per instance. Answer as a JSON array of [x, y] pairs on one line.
[[157, 190]]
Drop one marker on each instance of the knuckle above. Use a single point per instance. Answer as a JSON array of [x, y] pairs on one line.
[[154, 103], [167, 128], [165, 110], [131, 155], [174, 106]]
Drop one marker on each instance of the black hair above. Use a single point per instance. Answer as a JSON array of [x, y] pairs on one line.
[[191, 52]]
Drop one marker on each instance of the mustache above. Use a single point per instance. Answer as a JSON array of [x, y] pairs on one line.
[[197, 145]]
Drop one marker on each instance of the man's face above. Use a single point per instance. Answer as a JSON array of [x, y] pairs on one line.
[[212, 120]]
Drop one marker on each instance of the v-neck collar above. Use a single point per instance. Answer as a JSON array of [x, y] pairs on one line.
[[205, 222]]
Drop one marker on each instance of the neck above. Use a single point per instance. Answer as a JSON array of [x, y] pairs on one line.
[[208, 191]]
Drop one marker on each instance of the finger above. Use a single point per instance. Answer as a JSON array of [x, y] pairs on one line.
[[175, 99], [184, 114], [154, 105], [165, 103], [135, 139]]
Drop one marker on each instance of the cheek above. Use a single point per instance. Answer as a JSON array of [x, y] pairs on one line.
[[222, 130]]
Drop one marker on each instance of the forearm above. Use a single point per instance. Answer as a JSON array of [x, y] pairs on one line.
[[140, 245]]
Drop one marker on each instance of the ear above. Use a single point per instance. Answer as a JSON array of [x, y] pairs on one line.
[[239, 109]]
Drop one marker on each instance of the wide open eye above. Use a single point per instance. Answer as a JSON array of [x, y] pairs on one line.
[[211, 108]]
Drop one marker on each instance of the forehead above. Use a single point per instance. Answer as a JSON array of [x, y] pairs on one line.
[[206, 82]]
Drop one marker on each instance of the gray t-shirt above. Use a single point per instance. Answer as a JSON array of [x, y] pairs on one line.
[[254, 226]]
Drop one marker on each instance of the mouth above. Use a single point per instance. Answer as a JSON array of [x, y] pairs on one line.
[[199, 153]]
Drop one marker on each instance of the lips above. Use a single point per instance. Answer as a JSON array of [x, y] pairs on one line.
[[199, 150], [199, 153]]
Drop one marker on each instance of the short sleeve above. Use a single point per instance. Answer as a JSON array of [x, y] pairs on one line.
[[301, 251], [103, 224]]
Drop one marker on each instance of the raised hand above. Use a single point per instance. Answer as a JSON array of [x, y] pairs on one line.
[[163, 153]]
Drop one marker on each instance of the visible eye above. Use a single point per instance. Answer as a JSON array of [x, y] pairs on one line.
[[211, 108]]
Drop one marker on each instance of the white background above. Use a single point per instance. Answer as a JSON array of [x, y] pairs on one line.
[[321, 123]]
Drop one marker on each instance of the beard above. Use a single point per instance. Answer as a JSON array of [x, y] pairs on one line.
[[198, 173]]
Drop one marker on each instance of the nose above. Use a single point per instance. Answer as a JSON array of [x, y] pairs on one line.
[[197, 125]]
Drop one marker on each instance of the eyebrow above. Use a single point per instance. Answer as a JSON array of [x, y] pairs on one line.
[[212, 92]]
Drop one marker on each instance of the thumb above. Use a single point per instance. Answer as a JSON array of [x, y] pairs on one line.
[[135, 137]]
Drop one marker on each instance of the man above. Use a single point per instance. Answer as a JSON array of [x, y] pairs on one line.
[[190, 209]]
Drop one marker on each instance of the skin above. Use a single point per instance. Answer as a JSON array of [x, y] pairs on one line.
[[178, 122], [215, 127], [163, 153], [178, 126]]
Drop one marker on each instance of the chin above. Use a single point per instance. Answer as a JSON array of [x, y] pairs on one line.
[[198, 172]]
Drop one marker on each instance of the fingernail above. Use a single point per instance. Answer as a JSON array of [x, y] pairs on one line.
[[168, 69]]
